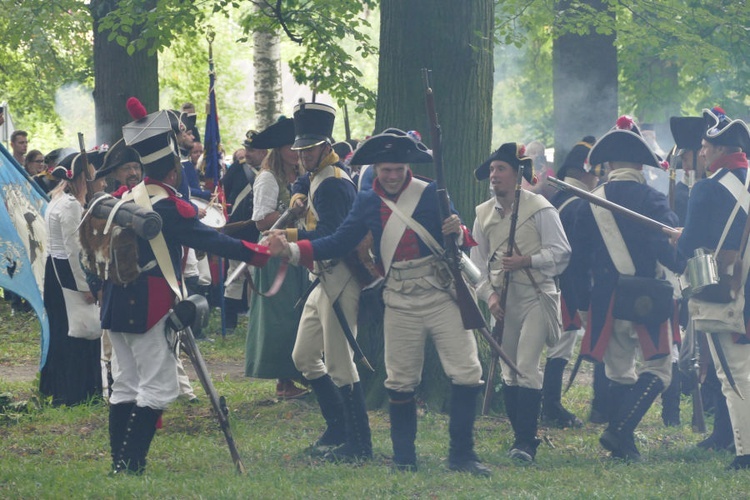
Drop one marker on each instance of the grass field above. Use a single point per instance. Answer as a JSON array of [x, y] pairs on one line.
[[48, 452]]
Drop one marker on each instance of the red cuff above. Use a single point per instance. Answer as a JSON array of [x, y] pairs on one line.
[[306, 253], [468, 240], [260, 255]]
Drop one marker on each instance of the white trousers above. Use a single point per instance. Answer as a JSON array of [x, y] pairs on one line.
[[738, 360], [409, 319], [622, 352], [319, 334], [146, 369]]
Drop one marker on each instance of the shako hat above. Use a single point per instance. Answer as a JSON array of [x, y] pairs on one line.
[[313, 124], [624, 143], [576, 157], [279, 134], [512, 153], [117, 156], [687, 132], [722, 131], [152, 136], [391, 146]]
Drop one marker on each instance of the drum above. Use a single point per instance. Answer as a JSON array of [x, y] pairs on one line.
[[214, 214], [701, 272]]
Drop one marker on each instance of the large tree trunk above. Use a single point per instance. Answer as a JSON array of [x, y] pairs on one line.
[[453, 38], [267, 78], [584, 84], [117, 77]]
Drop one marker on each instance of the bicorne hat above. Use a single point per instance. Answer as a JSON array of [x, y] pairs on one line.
[[576, 157], [722, 131], [279, 134], [512, 153], [313, 124], [623, 143], [249, 142], [687, 132], [67, 168], [391, 146], [117, 156]]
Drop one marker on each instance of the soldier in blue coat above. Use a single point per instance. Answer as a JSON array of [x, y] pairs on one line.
[[136, 312], [708, 214], [612, 246]]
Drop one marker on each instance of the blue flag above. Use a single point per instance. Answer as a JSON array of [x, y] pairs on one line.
[[23, 239], [212, 138]]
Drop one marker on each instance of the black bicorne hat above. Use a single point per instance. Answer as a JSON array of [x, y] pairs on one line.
[[249, 142], [391, 146], [117, 156], [68, 168], [313, 124], [624, 143], [344, 148], [576, 157], [723, 131], [512, 153], [279, 134], [687, 132], [181, 121]]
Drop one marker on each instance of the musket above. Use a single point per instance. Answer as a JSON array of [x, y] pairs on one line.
[[218, 403], [85, 159], [471, 315], [285, 218], [497, 331], [672, 176], [699, 419], [613, 207]]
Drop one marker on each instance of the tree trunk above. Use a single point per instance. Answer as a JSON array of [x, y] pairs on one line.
[[119, 76], [267, 78], [453, 38], [584, 84]]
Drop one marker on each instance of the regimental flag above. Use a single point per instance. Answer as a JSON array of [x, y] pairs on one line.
[[212, 137], [23, 239]]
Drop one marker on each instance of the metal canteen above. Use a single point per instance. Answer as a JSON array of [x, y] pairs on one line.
[[470, 271], [701, 272]]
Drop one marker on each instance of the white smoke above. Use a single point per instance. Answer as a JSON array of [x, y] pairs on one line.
[[74, 104]]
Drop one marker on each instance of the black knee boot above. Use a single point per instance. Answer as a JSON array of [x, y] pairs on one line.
[[332, 409], [139, 433], [461, 456], [358, 445], [553, 412], [600, 403], [403, 411], [119, 414], [527, 415], [510, 400], [618, 438], [670, 400]]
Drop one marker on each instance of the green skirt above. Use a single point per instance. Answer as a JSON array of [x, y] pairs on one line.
[[273, 323]]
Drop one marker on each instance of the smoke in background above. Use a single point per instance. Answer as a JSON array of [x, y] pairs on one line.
[[74, 103]]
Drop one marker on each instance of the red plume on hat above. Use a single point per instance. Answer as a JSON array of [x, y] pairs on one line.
[[625, 122], [136, 109]]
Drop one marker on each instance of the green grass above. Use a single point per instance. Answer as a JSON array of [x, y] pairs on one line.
[[49, 452]]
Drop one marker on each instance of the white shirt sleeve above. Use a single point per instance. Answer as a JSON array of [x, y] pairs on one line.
[[265, 195], [70, 218], [479, 257], [554, 255]]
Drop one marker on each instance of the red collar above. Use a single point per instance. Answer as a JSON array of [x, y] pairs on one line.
[[732, 161], [381, 192]]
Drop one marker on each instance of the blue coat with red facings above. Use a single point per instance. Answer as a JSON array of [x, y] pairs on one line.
[[136, 307], [646, 247], [369, 213], [575, 281], [332, 201], [708, 210]]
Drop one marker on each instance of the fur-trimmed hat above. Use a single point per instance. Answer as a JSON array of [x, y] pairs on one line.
[[313, 124], [576, 157], [512, 153], [722, 131], [279, 134], [624, 143], [687, 132], [391, 146]]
